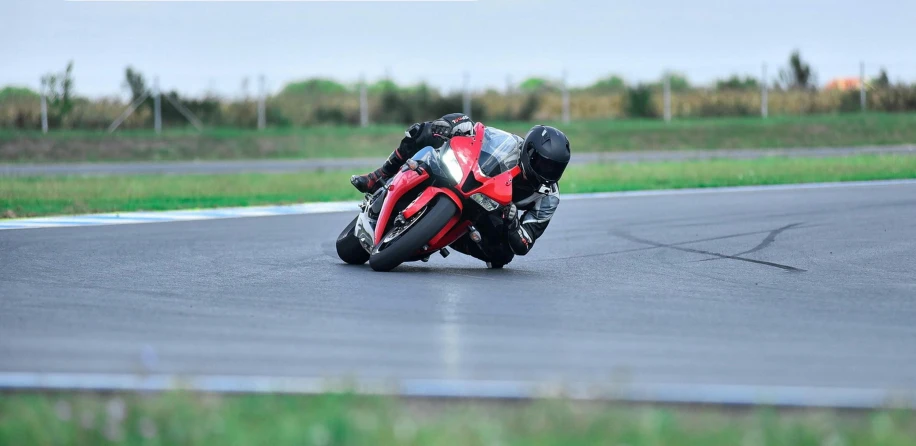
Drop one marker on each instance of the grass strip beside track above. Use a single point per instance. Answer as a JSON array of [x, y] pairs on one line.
[[843, 130], [340, 419], [36, 196]]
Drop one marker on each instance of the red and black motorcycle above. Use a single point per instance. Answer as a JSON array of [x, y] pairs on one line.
[[436, 198]]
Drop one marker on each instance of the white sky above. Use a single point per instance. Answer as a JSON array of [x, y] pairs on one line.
[[194, 47]]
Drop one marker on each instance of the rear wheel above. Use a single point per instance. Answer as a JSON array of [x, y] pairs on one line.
[[348, 248], [401, 243]]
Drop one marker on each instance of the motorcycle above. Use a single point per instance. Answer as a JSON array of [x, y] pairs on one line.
[[435, 198]]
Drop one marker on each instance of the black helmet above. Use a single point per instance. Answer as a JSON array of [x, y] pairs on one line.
[[545, 154]]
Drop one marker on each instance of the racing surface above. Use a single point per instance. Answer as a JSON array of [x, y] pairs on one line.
[[301, 165], [807, 287]]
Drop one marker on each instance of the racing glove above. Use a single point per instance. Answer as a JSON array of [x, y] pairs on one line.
[[520, 240], [510, 213], [453, 124], [424, 134]]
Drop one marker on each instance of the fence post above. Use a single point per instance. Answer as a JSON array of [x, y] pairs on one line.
[[466, 99], [764, 96], [44, 108], [862, 85], [363, 102], [667, 97], [262, 105], [157, 106], [565, 100]]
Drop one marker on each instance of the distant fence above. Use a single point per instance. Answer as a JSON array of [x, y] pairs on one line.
[[23, 109]]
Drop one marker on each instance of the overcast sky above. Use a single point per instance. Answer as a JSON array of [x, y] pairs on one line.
[[198, 46]]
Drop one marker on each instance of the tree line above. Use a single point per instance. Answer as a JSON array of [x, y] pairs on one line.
[[324, 101]]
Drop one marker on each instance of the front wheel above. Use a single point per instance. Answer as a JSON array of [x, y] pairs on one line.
[[404, 243], [348, 248]]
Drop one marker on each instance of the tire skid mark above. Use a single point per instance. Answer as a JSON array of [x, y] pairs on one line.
[[649, 248], [632, 238], [770, 238]]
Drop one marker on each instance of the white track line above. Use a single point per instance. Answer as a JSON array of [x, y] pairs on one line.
[[849, 398], [351, 206]]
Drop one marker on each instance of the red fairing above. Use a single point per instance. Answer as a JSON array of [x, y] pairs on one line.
[[467, 150], [428, 195], [402, 182], [499, 187], [451, 232]]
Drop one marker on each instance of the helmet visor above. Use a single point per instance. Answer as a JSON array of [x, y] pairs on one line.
[[547, 169]]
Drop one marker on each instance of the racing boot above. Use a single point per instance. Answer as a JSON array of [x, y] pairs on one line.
[[370, 182], [417, 136]]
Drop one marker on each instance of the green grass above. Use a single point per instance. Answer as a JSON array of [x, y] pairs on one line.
[[34, 196], [341, 419], [378, 141]]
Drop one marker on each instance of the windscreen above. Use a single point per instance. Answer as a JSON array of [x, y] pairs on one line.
[[499, 152]]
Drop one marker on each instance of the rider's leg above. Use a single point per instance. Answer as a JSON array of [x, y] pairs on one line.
[[410, 144], [500, 255], [495, 250], [370, 182], [466, 246]]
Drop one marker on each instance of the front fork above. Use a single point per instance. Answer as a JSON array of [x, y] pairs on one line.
[[370, 208]]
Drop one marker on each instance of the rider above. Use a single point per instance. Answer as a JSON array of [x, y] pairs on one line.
[[544, 154]]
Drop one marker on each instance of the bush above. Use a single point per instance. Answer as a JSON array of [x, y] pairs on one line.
[[610, 84], [537, 84], [528, 109], [850, 101], [900, 98], [736, 83], [639, 102], [316, 86], [12, 93], [422, 104]]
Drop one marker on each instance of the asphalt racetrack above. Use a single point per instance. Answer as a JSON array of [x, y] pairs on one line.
[[809, 287]]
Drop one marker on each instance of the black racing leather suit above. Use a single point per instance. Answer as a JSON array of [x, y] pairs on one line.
[[503, 238]]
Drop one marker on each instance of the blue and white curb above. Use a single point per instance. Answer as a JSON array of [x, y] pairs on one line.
[[352, 206], [125, 218]]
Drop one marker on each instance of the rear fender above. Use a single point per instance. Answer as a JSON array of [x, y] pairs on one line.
[[402, 183]]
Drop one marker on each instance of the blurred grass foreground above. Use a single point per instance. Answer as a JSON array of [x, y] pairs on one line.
[[344, 419]]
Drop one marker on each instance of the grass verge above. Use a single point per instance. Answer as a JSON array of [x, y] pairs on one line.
[[340, 419], [855, 129], [35, 196]]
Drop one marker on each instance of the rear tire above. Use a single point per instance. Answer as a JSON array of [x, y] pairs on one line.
[[348, 248], [404, 247]]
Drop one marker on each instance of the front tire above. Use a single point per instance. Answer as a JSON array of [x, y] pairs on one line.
[[404, 247], [348, 248]]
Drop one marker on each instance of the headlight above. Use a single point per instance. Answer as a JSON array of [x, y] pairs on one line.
[[451, 163], [486, 202]]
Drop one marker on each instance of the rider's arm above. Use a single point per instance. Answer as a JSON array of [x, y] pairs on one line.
[[532, 224], [430, 133]]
